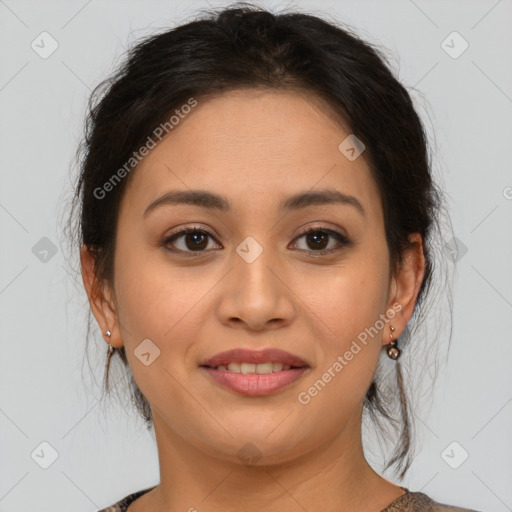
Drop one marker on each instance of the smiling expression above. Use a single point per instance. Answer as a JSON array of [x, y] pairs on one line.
[[252, 170]]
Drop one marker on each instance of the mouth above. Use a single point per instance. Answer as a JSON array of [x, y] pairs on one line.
[[255, 373]]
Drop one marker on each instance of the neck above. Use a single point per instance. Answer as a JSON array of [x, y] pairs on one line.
[[334, 475]]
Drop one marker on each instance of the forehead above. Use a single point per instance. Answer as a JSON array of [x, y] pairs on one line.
[[254, 145]]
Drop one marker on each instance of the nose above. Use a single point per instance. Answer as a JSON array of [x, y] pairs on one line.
[[255, 296]]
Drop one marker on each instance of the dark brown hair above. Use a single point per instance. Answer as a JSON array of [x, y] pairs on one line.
[[245, 46]]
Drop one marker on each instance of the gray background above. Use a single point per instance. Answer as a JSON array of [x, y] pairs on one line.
[[49, 395]]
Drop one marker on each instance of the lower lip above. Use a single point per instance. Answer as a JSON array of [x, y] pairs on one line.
[[256, 384]]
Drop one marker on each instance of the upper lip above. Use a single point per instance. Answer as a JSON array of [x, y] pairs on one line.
[[241, 355]]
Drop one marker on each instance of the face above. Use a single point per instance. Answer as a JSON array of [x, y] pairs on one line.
[[248, 277]]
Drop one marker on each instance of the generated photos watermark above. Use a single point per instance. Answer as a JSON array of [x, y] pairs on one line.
[[304, 397], [158, 133]]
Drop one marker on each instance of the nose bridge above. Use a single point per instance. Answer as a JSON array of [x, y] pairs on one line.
[[252, 271]]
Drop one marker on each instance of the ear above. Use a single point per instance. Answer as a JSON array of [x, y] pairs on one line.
[[100, 299], [405, 286]]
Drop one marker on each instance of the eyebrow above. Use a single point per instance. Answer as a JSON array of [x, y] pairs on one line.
[[298, 201]]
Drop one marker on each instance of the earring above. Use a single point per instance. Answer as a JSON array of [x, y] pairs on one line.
[[111, 349], [393, 351]]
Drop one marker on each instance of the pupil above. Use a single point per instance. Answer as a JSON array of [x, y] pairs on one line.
[[195, 236], [317, 239]]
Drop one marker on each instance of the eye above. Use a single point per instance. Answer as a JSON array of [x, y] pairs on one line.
[[318, 238], [194, 240]]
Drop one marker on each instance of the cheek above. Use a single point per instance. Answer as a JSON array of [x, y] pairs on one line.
[[354, 296], [159, 300], [165, 305], [148, 296], [348, 364]]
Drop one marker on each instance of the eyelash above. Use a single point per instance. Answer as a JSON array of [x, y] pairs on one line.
[[342, 239]]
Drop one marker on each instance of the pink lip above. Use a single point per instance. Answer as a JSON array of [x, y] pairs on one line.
[[240, 355], [255, 384]]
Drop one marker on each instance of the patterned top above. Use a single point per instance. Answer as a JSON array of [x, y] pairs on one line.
[[408, 502]]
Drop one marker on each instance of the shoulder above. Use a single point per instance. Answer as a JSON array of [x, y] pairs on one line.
[[122, 505], [421, 502]]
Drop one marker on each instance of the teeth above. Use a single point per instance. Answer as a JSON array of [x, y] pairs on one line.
[[277, 367], [251, 368]]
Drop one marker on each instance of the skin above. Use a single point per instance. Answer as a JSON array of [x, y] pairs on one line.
[[256, 148]]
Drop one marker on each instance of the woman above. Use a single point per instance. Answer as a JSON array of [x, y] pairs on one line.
[[256, 219]]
